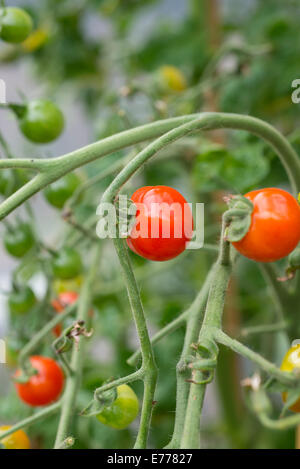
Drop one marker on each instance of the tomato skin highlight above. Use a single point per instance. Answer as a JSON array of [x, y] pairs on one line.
[[290, 361], [15, 25], [43, 388], [17, 440], [123, 410], [160, 248], [42, 122], [275, 227], [59, 304]]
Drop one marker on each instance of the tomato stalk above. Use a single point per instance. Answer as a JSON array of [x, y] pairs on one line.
[[37, 417], [148, 362], [194, 319], [52, 169]]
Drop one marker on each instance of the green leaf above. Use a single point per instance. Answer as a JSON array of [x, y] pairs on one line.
[[238, 170]]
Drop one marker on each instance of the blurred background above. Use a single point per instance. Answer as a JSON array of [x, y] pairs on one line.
[[115, 64]]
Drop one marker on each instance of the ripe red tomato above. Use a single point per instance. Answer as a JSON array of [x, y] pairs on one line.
[[275, 226], [59, 304], [44, 387], [164, 225]]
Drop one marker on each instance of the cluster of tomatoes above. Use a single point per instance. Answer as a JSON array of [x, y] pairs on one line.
[[273, 234]]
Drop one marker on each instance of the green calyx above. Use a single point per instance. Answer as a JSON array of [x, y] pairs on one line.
[[100, 402], [238, 218]]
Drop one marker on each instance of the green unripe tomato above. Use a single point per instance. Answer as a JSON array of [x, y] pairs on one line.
[[67, 264], [123, 410], [15, 25], [19, 241], [42, 121], [61, 190], [10, 181], [21, 301], [7, 182]]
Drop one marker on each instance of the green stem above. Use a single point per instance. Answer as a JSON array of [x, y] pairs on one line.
[[53, 169], [73, 380], [148, 362], [211, 322], [281, 424], [282, 376], [137, 375], [50, 410], [168, 329], [263, 329], [195, 316], [37, 339]]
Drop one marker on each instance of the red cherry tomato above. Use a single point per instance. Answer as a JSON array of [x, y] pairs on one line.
[[45, 386], [59, 304], [164, 224], [275, 226]]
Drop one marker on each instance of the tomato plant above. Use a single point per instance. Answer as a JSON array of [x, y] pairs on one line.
[[163, 208], [15, 24], [41, 121], [17, 440], [20, 240], [123, 411], [163, 103], [275, 226], [43, 387]]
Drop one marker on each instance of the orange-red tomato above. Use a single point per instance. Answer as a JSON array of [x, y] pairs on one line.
[[164, 224], [275, 226], [45, 386], [59, 304]]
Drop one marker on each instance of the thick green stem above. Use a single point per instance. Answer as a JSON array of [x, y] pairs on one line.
[[148, 362], [168, 329], [53, 169], [73, 380], [195, 316], [212, 320]]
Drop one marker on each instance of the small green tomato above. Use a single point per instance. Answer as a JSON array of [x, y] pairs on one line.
[[123, 411]]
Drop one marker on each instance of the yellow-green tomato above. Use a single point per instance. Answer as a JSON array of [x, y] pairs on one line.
[[123, 410], [42, 121], [17, 440], [290, 361], [15, 25]]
